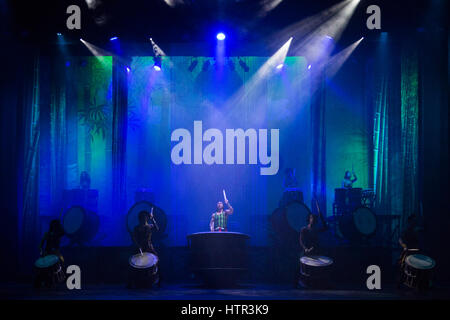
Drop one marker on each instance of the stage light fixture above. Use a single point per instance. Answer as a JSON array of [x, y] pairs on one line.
[[157, 65], [220, 36], [309, 67], [113, 38], [128, 69], [59, 34], [280, 66]]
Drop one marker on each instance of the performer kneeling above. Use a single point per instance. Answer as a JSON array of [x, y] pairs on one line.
[[409, 241], [219, 218], [142, 237], [50, 265]]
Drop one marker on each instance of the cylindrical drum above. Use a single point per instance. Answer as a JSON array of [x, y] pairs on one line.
[[418, 271], [80, 225], [315, 271], [48, 271], [143, 270]]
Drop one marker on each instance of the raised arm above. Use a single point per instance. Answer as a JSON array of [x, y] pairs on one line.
[[152, 218], [230, 209]]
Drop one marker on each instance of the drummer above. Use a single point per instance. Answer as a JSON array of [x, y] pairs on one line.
[[309, 235], [219, 218], [349, 179], [142, 234], [52, 239], [142, 237]]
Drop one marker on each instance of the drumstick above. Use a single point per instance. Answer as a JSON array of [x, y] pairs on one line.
[[225, 196], [141, 252]]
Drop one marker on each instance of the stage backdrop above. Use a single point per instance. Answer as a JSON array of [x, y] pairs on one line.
[[165, 155]]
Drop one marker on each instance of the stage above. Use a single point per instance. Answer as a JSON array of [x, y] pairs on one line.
[[197, 292]]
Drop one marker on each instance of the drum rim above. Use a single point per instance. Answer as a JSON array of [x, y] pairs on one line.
[[373, 213], [330, 262], [83, 210], [139, 267], [284, 212], [151, 205], [56, 261], [417, 268]]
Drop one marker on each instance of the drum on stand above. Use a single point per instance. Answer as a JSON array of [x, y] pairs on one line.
[[417, 270], [49, 270], [315, 271], [290, 195], [80, 225], [143, 270], [361, 224]]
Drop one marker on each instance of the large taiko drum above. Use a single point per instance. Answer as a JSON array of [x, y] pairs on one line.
[[315, 271], [80, 225], [418, 271], [48, 270], [143, 270], [297, 214], [360, 224]]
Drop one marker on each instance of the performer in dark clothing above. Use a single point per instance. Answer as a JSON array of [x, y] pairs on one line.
[[52, 239], [309, 235], [142, 234], [50, 246], [142, 237]]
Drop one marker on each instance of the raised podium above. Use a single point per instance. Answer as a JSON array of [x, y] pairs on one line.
[[219, 258]]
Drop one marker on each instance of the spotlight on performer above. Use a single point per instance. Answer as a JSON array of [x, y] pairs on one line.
[[220, 36], [157, 65]]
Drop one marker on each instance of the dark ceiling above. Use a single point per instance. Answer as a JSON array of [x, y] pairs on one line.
[[199, 20]]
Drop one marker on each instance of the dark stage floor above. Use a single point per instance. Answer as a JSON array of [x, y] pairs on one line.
[[193, 292]]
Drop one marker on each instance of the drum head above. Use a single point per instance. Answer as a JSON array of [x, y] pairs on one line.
[[158, 213], [365, 221], [316, 261], [143, 261], [47, 261], [296, 215], [419, 261], [73, 220]]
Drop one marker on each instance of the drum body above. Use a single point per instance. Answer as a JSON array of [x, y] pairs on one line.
[[296, 214], [359, 225], [80, 225], [315, 271], [49, 271], [417, 271], [143, 270]]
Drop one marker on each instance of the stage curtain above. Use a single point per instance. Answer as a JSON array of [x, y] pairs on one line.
[[28, 133], [395, 132], [119, 137]]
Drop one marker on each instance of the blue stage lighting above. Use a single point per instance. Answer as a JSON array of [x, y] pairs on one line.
[[113, 38], [220, 36]]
